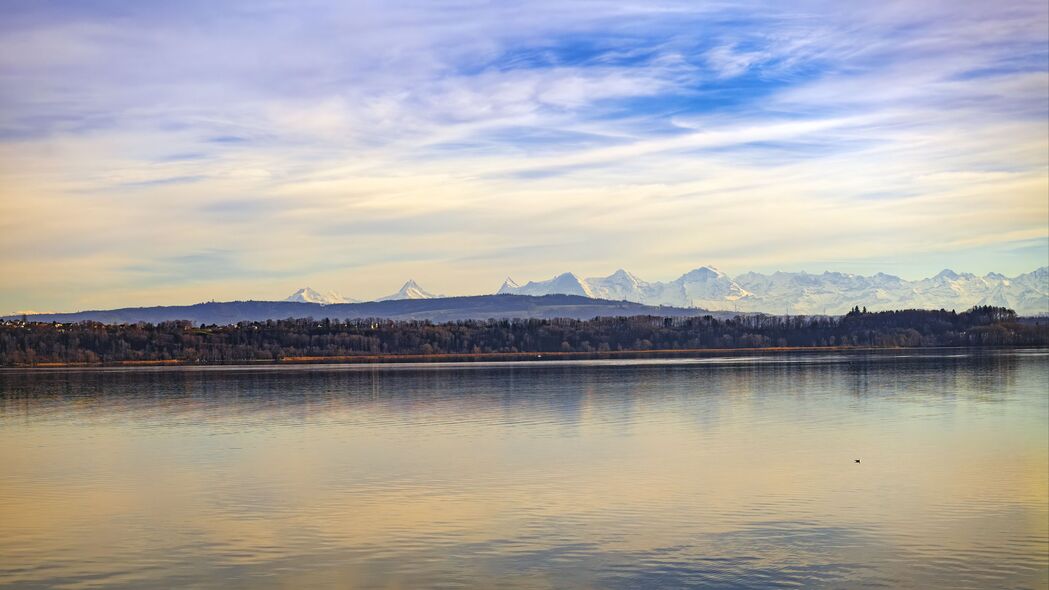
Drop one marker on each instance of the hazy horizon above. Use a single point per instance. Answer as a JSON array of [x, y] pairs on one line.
[[728, 304], [275, 295]]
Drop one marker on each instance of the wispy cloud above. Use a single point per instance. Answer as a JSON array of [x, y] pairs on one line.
[[352, 145]]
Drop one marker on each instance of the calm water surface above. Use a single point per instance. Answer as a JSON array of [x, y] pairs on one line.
[[732, 473]]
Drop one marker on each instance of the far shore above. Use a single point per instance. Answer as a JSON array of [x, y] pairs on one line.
[[499, 356]]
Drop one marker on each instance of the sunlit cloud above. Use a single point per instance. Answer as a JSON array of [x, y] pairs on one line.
[[151, 155]]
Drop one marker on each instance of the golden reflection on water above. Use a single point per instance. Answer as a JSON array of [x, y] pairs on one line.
[[561, 476]]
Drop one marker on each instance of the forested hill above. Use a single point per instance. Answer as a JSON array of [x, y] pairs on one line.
[[440, 309], [25, 343]]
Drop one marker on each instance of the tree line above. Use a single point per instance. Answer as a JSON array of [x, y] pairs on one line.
[[27, 343]]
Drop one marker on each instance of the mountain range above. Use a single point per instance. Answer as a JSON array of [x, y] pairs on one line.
[[438, 309], [781, 292], [410, 290], [308, 295]]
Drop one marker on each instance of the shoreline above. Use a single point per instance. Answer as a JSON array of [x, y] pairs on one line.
[[509, 357]]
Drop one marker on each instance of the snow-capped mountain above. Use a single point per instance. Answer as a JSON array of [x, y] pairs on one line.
[[701, 287], [308, 295], [804, 293], [563, 284], [410, 290], [779, 292], [1029, 291], [829, 292], [704, 287], [620, 285]]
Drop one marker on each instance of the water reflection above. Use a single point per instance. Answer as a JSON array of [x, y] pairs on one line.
[[712, 474]]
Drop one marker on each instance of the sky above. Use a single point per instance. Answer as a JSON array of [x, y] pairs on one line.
[[165, 153]]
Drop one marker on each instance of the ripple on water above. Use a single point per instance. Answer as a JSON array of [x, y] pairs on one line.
[[713, 473]]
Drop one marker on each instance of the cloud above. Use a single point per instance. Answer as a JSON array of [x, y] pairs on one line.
[[164, 181], [352, 145]]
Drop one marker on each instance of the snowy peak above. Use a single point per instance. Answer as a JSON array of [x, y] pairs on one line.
[[703, 286], [886, 279], [621, 279], [1038, 278], [306, 295], [309, 295], [564, 284], [620, 285], [623, 275], [410, 290], [509, 286], [570, 284], [703, 273]]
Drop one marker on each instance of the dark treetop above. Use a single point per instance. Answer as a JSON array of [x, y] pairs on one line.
[[23, 343]]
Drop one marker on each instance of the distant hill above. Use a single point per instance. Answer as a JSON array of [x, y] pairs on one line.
[[368, 340], [435, 309]]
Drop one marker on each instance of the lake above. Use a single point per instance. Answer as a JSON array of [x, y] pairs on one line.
[[735, 472]]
